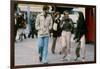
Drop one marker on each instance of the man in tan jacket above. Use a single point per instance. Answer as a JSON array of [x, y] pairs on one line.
[[43, 25]]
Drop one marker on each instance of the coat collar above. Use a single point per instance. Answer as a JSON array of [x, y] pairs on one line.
[[42, 14]]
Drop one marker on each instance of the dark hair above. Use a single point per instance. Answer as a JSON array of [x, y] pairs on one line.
[[81, 17], [65, 12], [57, 13], [82, 22], [45, 7]]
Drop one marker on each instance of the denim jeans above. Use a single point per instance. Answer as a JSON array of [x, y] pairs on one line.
[[43, 47]]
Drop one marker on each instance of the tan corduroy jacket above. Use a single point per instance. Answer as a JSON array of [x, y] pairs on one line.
[[43, 25]]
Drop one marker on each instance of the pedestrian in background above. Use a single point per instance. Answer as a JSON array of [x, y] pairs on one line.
[[56, 30], [67, 26], [21, 24], [81, 31], [32, 31]]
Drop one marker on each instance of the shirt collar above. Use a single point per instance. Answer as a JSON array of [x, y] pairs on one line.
[[43, 14]]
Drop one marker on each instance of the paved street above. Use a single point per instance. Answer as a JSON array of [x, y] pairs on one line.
[[26, 52]]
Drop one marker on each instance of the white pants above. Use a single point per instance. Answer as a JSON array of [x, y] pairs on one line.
[[19, 32], [66, 42], [83, 46]]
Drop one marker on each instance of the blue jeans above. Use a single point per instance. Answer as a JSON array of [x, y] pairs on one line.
[[43, 47]]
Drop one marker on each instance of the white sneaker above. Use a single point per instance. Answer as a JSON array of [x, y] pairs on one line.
[[83, 59], [66, 58], [80, 59]]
